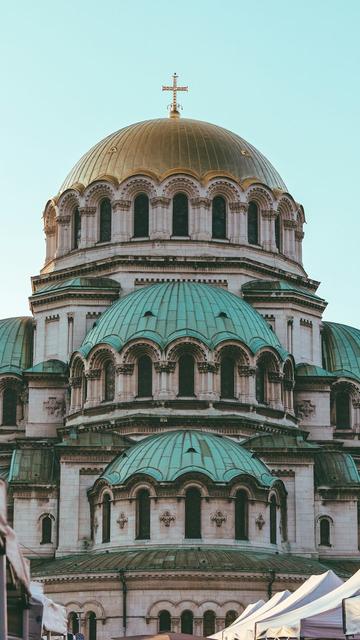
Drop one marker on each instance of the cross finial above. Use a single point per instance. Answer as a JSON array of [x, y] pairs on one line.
[[174, 107]]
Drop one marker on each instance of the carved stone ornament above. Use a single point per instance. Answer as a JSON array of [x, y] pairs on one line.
[[160, 201], [207, 367], [246, 371], [304, 409], [126, 369], [275, 376], [87, 211], [54, 407], [260, 521], [166, 366], [290, 224], [64, 220], [122, 520], [75, 382], [167, 518], [201, 202], [121, 205], [238, 207], [218, 517], [93, 374]]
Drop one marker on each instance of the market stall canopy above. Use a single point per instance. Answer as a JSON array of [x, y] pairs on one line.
[[9, 541], [251, 608], [54, 615], [239, 631], [351, 611]]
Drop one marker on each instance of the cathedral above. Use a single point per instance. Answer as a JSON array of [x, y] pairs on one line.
[[179, 425]]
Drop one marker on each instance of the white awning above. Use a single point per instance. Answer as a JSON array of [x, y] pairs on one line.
[[54, 615], [251, 608]]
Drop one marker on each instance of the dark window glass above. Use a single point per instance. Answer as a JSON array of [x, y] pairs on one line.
[[187, 622], [143, 515], [46, 530], [105, 220], [141, 216], [144, 377], [342, 405], [74, 626], [273, 527], [241, 515], [219, 217], [180, 215], [83, 388], [325, 532], [92, 626], [164, 621], [208, 623], [193, 513], [278, 232], [253, 223], [9, 407], [230, 617], [227, 378], [186, 376], [109, 381], [106, 518], [76, 228], [260, 382]]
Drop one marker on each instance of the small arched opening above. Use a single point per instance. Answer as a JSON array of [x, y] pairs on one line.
[[219, 218], [141, 216], [209, 620], [143, 514], [230, 617], [253, 223], [187, 622], [260, 381], [186, 376], [164, 621], [227, 378], [92, 624], [180, 215], [9, 407], [241, 515], [74, 622], [145, 372], [109, 381], [324, 526], [106, 518], [273, 520], [76, 226], [105, 220], [193, 513], [46, 529], [343, 410]]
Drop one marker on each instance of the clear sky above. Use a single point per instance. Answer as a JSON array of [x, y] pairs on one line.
[[283, 74]]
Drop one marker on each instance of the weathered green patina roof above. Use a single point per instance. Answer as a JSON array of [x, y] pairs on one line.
[[79, 283], [16, 336], [55, 367], [89, 439], [200, 558], [284, 442], [166, 311], [341, 349], [335, 469], [167, 456], [34, 466], [276, 287], [305, 370]]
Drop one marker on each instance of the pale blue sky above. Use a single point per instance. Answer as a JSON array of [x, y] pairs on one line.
[[282, 74]]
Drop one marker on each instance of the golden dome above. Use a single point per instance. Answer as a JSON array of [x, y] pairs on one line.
[[167, 145]]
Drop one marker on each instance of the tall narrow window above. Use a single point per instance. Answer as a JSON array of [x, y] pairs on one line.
[[273, 524], [76, 228], [143, 515], [253, 223], [325, 532], [46, 530], [209, 623], [187, 622], [186, 376], [83, 388], [227, 378], [342, 406], [278, 233], [141, 216], [106, 518], [260, 382], [164, 621], [241, 515], [180, 215], [109, 381], [74, 625], [230, 617], [193, 513], [91, 626], [9, 407], [144, 377], [219, 218], [105, 220]]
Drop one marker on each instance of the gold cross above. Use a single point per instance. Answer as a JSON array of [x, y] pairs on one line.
[[174, 107]]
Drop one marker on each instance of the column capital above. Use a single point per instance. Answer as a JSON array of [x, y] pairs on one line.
[[87, 211], [200, 202], [160, 201], [238, 207], [121, 205]]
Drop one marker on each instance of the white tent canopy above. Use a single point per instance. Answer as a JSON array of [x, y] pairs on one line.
[[320, 618], [242, 628], [54, 615], [314, 587], [251, 608]]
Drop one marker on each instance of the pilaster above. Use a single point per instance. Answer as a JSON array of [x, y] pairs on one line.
[[122, 220], [159, 222]]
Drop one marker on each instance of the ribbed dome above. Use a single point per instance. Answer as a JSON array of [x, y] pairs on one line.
[[167, 456], [164, 146], [341, 349], [16, 336], [166, 311]]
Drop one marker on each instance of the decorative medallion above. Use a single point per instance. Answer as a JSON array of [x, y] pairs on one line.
[[122, 520], [260, 521], [218, 517], [167, 518]]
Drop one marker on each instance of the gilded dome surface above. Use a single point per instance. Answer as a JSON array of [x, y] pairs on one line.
[[164, 146], [170, 310]]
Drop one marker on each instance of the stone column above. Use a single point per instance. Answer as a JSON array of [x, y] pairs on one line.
[[164, 369], [246, 393], [64, 239], [124, 373], [89, 234], [75, 386], [289, 238], [207, 371], [201, 228], [299, 236], [237, 232], [275, 380], [268, 230], [198, 626], [94, 395], [122, 221], [160, 224]]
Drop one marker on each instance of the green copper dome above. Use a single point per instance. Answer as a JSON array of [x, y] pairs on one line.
[[164, 312], [16, 335], [167, 456], [341, 349]]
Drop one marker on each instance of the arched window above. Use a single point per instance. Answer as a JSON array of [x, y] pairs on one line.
[[193, 513], [241, 515], [187, 622], [76, 228], [83, 388], [253, 223], [342, 409], [325, 532], [186, 375], [209, 623], [109, 381], [260, 382], [91, 626], [278, 233], [46, 530], [227, 378], [106, 517], [273, 523], [164, 621], [105, 220], [144, 377], [180, 215], [143, 515], [141, 216], [9, 407], [230, 617], [219, 218], [73, 622]]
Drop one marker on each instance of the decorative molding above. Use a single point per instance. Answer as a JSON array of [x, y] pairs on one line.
[[121, 205], [167, 518], [201, 202], [54, 407], [93, 374], [238, 207], [64, 220], [260, 521], [207, 367], [75, 382], [305, 323], [270, 214], [53, 318], [275, 376], [246, 371], [218, 517], [127, 368], [289, 224], [87, 211], [122, 520], [164, 366], [160, 201], [304, 409]]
